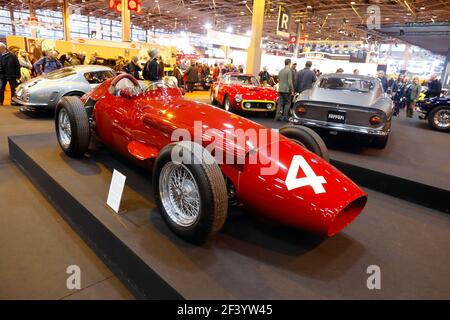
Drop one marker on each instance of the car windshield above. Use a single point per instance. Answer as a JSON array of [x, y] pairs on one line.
[[60, 73], [148, 86], [351, 84], [243, 79]]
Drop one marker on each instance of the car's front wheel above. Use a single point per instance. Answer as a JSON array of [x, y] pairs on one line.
[[439, 118], [227, 104], [72, 127], [212, 99], [191, 195]]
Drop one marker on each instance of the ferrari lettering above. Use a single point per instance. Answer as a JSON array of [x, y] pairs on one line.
[[310, 179]]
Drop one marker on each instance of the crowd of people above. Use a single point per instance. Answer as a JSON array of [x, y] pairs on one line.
[[16, 66]]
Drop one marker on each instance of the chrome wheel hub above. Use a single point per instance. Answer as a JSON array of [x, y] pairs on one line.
[[179, 194], [227, 104], [442, 118], [65, 130]]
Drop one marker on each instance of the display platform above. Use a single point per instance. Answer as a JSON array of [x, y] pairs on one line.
[[414, 166], [250, 258]]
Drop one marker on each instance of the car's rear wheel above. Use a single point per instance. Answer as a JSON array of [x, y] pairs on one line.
[[439, 118], [307, 138], [380, 142], [212, 99], [191, 195], [72, 127]]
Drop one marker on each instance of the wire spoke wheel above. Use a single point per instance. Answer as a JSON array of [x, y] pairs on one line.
[[65, 130], [179, 194], [442, 118]]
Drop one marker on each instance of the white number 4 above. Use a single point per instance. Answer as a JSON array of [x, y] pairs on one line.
[[310, 179]]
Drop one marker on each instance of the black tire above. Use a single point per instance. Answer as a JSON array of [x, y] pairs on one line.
[[307, 138], [433, 114], [380, 142], [79, 126], [212, 99], [211, 189], [226, 100]]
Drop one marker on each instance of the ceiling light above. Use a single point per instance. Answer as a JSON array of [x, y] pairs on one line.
[[353, 3], [308, 7], [422, 8]]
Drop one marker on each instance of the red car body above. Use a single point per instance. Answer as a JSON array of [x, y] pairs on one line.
[[140, 126], [242, 93]]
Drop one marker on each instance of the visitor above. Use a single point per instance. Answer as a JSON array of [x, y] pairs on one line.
[[264, 76], [191, 77], [340, 71], [356, 72], [133, 67], [150, 72], [413, 95], [177, 74], [305, 78], [25, 66], [285, 89], [94, 58], [399, 97], [294, 71], [160, 68], [392, 86], [47, 63], [120, 63], [9, 71], [216, 72], [384, 82], [434, 87], [74, 60]]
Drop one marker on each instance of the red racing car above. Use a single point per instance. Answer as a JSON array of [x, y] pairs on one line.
[[242, 92], [204, 158]]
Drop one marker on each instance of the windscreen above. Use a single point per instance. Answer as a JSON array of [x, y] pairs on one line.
[[243, 79], [352, 84]]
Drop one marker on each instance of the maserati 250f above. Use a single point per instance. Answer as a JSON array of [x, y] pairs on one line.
[[192, 188]]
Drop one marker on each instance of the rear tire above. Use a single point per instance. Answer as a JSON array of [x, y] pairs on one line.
[[196, 206], [439, 118], [380, 142], [307, 138], [72, 127]]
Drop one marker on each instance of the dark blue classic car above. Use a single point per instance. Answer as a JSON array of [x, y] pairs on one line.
[[437, 111]]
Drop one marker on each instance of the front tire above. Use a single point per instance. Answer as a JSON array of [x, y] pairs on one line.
[[307, 138], [227, 104], [439, 118], [212, 99], [72, 126], [191, 195]]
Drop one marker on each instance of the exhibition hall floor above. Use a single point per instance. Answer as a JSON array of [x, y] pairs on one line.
[[408, 241]]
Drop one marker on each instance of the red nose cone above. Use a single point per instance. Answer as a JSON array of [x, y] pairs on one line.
[[325, 203]]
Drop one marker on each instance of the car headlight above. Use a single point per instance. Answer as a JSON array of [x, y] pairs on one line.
[[238, 98], [269, 106]]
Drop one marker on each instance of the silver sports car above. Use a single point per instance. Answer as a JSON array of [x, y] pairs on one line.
[[44, 92], [346, 103]]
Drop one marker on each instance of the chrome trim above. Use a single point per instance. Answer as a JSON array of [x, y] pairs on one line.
[[28, 104], [337, 127]]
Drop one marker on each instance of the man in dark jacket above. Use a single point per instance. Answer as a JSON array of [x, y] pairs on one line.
[[434, 87], [383, 79], [160, 68], [9, 71], [133, 67], [191, 77], [305, 78], [151, 67], [285, 88]]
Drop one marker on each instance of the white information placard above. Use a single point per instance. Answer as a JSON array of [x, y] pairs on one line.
[[116, 190]]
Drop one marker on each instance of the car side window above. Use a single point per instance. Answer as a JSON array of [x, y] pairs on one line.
[[97, 77]]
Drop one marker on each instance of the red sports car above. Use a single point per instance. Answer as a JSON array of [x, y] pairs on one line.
[[243, 92], [204, 158]]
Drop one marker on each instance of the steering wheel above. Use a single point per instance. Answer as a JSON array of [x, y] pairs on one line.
[[122, 76]]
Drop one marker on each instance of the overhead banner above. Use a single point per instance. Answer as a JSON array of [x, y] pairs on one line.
[[284, 18]]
